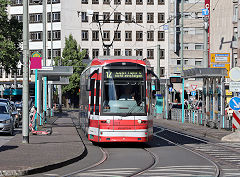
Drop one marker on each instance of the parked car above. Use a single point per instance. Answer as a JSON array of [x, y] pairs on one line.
[[18, 106], [7, 121]]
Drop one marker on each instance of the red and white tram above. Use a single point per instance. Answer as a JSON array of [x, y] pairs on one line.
[[116, 100]]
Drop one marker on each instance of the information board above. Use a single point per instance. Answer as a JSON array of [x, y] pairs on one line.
[[123, 74]]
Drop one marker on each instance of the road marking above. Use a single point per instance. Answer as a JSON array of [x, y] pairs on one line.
[[117, 169]]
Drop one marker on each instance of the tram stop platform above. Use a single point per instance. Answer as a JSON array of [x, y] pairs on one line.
[[199, 130], [43, 153]]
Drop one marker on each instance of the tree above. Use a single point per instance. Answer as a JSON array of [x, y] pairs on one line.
[[72, 56], [10, 39]]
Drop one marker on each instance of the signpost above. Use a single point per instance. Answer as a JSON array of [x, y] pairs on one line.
[[36, 63], [234, 86], [193, 93], [235, 103], [205, 12]]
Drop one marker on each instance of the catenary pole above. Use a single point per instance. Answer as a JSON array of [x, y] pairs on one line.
[[182, 4], [25, 123]]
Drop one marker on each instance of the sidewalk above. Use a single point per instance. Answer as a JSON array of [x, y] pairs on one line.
[[43, 153], [194, 129]]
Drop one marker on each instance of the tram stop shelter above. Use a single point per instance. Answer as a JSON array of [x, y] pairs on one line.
[[53, 75], [211, 78]]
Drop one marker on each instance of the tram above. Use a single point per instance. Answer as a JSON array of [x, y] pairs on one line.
[[116, 99]]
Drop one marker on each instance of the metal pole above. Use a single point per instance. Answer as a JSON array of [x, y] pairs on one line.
[[25, 123], [205, 52], [36, 98], [39, 98], [44, 53], [214, 102], [182, 4], [158, 60], [223, 102], [207, 102], [51, 35], [204, 101]]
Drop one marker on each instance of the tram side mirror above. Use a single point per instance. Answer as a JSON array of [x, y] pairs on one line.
[[157, 85]]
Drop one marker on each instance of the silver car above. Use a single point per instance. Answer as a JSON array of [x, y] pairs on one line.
[[6, 120]]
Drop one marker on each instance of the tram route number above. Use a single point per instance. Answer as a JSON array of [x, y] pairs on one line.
[[123, 74]]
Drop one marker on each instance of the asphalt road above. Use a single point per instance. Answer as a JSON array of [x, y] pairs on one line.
[[4, 138]]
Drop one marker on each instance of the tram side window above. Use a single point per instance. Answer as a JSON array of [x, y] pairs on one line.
[[92, 95], [97, 98]]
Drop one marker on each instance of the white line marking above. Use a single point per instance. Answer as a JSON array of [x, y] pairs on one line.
[[117, 169]]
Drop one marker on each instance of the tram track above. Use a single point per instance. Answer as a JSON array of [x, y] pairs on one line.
[[206, 149]]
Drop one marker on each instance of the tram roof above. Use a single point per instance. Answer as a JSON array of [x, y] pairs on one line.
[[114, 59]]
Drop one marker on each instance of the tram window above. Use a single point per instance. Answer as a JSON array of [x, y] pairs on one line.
[[92, 95], [97, 98]]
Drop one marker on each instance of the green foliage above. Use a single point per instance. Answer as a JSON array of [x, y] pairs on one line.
[[10, 38], [72, 56]]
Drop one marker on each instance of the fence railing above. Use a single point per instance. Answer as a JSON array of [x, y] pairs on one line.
[[197, 117]]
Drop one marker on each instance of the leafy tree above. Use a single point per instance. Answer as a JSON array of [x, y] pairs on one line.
[[10, 38], [72, 56]]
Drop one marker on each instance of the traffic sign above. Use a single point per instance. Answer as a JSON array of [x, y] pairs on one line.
[[36, 61], [170, 89], [193, 93], [205, 12], [235, 74], [234, 103], [234, 86]]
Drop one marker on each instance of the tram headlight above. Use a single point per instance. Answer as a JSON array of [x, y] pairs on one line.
[[139, 121], [108, 121]]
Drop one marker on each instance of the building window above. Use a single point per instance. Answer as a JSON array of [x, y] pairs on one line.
[[95, 17], [56, 35], [128, 52], [198, 46], [56, 16], [139, 52], [36, 36], [106, 52], [84, 1], [117, 35], [95, 35], [162, 71], [139, 17], [17, 2], [117, 17], [95, 1], [185, 62], [128, 2], [35, 18], [161, 2], [128, 35], [128, 17], [106, 1], [150, 2], [162, 53], [178, 62], [95, 53], [117, 2], [150, 53], [84, 35], [186, 46], [139, 2], [139, 35], [84, 17], [53, 1], [18, 17], [106, 17], [161, 35], [150, 36], [150, 17], [198, 63], [161, 18], [106, 35], [117, 52], [56, 53]]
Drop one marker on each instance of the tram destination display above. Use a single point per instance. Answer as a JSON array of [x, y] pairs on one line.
[[123, 74]]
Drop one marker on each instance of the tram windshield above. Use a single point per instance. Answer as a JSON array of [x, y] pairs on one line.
[[124, 92]]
